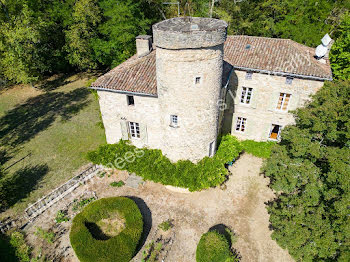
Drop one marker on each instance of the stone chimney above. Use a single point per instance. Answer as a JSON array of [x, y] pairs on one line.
[[143, 45]]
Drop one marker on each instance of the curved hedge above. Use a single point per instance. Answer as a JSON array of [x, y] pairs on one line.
[[214, 247], [121, 247]]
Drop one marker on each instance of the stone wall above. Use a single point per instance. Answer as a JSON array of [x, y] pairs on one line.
[[116, 112], [261, 113]]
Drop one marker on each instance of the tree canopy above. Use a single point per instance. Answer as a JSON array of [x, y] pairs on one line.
[[39, 38], [311, 170]]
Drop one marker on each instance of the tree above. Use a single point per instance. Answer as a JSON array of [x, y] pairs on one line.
[[86, 17], [20, 49], [340, 52], [311, 170], [120, 24]]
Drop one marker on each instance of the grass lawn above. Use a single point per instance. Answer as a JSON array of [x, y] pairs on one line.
[[44, 135]]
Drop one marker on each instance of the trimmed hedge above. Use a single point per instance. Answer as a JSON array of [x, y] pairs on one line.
[[121, 247], [151, 164], [214, 247]]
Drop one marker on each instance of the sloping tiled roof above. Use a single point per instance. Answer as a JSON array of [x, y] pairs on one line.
[[136, 75], [275, 55], [270, 55]]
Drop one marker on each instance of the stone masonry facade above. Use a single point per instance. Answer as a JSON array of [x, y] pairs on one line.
[[177, 93]]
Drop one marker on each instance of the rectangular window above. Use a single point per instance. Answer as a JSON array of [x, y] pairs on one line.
[[130, 100], [241, 122], [211, 149], [198, 80], [283, 101], [289, 80], [249, 75], [134, 129], [246, 95], [173, 120], [275, 132]]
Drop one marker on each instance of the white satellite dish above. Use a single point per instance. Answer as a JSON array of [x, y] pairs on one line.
[[321, 51], [326, 40]]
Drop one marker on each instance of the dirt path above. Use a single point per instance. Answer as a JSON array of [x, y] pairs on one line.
[[240, 206]]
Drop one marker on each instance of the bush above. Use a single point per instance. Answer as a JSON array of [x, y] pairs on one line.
[[117, 184], [46, 235], [152, 165], [165, 225], [120, 247], [214, 247], [61, 216], [258, 149]]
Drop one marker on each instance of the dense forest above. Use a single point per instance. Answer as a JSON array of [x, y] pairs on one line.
[[39, 37]]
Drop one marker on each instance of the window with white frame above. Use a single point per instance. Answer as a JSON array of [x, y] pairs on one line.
[[275, 132], [197, 80], [249, 75], [283, 101], [134, 129], [173, 120], [241, 124], [246, 95], [289, 80]]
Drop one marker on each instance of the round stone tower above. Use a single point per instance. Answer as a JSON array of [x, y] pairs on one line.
[[189, 65]]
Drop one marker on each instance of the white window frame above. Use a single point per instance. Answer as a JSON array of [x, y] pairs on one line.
[[134, 130], [244, 95], [241, 122], [212, 148], [283, 101], [278, 134], [249, 75], [174, 120]]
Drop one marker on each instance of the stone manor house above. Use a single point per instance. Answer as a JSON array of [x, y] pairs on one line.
[[179, 91]]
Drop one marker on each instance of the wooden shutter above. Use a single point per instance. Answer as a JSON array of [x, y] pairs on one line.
[[143, 133], [124, 129]]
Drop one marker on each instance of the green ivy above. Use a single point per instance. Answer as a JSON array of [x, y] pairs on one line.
[[152, 165]]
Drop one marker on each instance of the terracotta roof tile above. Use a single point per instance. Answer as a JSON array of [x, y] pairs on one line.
[[138, 75], [274, 55]]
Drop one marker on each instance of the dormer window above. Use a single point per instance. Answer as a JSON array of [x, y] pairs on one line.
[[197, 81], [289, 80], [249, 75]]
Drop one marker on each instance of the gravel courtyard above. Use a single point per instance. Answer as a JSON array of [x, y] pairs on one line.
[[240, 207]]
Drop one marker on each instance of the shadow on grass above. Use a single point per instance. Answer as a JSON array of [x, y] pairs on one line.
[[7, 251], [57, 81], [14, 187], [147, 220], [96, 231], [26, 120]]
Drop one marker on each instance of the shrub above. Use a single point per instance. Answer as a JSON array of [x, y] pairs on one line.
[[120, 247], [165, 226], [22, 250], [214, 247], [46, 235], [61, 216], [79, 205], [151, 164], [258, 149], [117, 184]]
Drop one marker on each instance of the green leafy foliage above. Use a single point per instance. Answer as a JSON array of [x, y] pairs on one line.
[[151, 164], [121, 247], [214, 247], [61, 216], [165, 225], [46, 235], [258, 149], [15, 248], [340, 52], [311, 170], [117, 184], [78, 205]]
